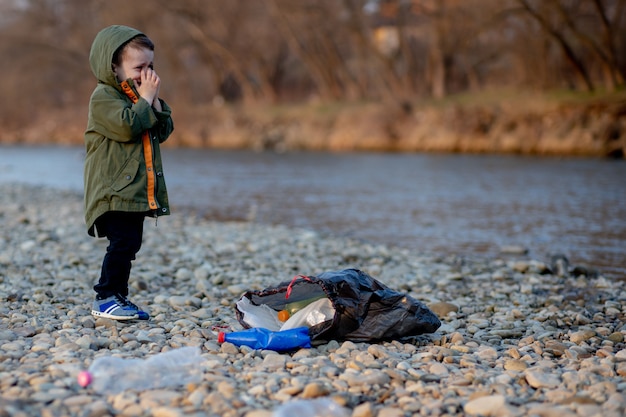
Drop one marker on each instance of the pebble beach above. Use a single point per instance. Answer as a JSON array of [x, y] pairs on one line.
[[518, 337]]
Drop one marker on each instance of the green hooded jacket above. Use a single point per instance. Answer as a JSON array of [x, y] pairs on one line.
[[116, 174]]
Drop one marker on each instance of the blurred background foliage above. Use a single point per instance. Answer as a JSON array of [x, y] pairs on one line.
[[281, 52]]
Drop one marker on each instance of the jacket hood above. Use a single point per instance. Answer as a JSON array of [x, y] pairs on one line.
[[106, 42]]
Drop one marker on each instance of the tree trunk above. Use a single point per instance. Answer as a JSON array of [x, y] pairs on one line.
[[566, 48]]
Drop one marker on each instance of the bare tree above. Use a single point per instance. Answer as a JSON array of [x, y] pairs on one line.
[[43, 59], [314, 34], [543, 18], [277, 50]]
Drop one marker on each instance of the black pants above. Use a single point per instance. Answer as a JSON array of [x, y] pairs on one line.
[[125, 233]]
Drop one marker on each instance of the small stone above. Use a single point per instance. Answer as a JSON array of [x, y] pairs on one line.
[[78, 401], [183, 274], [515, 365], [167, 412], [521, 266], [377, 351], [227, 389], [373, 377], [229, 348], [314, 390], [274, 362], [256, 390], [259, 413], [554, 347], [181, 301], [438, 369], [390, 412], [237, 289], [442, 309], [547, 410], [363, 410], [539, 379], [581, 336], [485, 406], [513, 250], [456, 338], [97, 408]]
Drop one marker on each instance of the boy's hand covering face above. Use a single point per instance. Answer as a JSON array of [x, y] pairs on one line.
[[137, 64]]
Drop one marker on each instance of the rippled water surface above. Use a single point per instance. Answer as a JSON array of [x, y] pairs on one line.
[[442, 204]]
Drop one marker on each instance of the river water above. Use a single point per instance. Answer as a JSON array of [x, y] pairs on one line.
[[468, 205]]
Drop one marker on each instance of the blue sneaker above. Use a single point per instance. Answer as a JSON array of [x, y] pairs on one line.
[[114, 308], [141, 315]]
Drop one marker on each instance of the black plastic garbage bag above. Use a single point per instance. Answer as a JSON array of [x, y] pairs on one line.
[[365, 309]]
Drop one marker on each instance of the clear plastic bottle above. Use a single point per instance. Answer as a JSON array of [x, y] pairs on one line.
[[258, 315], [260, 338], [318, 407], [112, 375], [293, 307]]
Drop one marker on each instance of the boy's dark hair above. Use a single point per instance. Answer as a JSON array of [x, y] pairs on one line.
[[139, 41]]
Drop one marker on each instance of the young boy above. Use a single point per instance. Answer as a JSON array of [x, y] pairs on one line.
[[123, 171]]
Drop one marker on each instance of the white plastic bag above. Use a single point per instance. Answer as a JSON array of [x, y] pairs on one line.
[[259, 316]]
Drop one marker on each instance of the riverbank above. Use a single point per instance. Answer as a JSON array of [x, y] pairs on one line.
[[516, 338], [520, 123]]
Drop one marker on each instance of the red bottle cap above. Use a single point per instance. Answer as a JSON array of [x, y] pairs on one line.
[[221, 337], [84, 378]]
